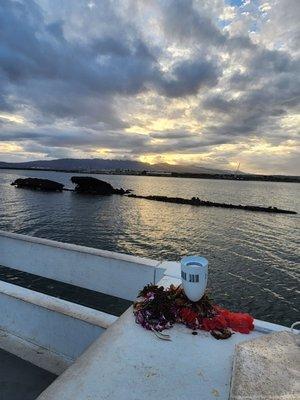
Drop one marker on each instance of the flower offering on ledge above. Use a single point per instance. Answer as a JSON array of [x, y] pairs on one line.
[[157, 309]]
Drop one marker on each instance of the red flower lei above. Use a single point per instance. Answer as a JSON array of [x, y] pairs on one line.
[[160, 308]]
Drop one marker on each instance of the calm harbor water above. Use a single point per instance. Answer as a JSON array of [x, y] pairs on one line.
[[253, 257]]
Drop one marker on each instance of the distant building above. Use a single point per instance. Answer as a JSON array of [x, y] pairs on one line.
[[159, 173]]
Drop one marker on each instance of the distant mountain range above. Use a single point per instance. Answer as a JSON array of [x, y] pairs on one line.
[[127, 167], [98, 164]]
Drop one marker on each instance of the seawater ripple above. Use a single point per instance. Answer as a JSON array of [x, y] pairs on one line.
[[253, 257]]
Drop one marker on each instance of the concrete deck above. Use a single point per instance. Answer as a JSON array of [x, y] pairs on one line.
[[20, 380], [267, 368], [129, 363]]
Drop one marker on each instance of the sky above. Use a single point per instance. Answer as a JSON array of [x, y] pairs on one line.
[[208, 82]]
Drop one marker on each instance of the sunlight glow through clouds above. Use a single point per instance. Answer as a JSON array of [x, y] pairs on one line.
[[10, 148], [18, 119]]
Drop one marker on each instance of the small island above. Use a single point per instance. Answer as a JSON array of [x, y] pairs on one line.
[[45, 185], [90, 185]]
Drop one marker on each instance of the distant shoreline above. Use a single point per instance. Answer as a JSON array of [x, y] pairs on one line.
[[232, 177]]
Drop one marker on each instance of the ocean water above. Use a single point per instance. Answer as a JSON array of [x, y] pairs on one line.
[[253, 257]]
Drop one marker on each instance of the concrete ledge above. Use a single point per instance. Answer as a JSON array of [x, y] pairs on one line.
[[167, 281], [36, 355], [61, 327], [268, 327], [73, 310], [111, 273], [171, 268], [82, 249]]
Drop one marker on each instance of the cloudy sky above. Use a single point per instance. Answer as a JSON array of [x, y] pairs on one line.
[[208, 82]]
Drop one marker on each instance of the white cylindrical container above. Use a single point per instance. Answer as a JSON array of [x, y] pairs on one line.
[[194, 271]]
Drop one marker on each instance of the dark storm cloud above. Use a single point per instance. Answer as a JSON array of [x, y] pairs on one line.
[[188, 21], [271, 61], [269, 86], [4, 105], [174, 134], [268, 90], [78, 139], [20, 136], [219, 103], [30, 49], [76, 81], [184, 22], [189, 77], [186, 145], [67, 80], [52, 142]]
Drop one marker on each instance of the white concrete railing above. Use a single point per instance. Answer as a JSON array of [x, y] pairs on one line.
[[64, 329], [107, 272]]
